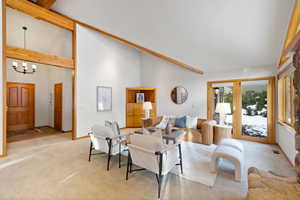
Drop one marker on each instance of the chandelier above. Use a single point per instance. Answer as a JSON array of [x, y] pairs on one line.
[[24, 68]]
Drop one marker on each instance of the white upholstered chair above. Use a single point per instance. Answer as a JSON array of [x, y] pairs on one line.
[[106, 139], [150, 153]]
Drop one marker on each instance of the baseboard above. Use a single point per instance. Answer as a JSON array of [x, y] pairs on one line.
[[47, 126], [285, 156], [69, 131], [82, 137]]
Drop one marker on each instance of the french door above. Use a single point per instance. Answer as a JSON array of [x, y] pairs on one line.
[[252, 107]]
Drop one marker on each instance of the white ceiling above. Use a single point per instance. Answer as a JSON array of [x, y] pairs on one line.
[[212, 35]]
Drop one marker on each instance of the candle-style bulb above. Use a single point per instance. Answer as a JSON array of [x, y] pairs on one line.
[[15, 64]]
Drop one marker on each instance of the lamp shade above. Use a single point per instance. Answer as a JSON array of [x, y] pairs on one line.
[[147, 105], [223, 108]]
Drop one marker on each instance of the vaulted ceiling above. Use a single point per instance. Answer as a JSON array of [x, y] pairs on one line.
[[212, 35]]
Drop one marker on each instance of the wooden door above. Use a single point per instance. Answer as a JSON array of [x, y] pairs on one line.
[[20, 105], [58, 106]]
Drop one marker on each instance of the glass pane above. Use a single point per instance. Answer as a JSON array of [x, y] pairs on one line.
[[254, 108], [222, 94], [288, 113]]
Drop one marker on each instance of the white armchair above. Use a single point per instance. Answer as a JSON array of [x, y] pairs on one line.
[[150, 153], [106, 139]]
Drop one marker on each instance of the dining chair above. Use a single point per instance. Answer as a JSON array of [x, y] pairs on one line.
[[107, 139], [150, 153]]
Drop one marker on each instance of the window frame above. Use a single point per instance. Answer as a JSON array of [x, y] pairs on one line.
[[282, 100]]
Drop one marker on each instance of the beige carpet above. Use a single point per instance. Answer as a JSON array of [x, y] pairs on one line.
[[196, 159], [55, 167]]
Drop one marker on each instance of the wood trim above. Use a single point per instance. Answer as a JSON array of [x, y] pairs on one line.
[[136, 46], [271, 111], [4, 74], [63, 21], [74, 80], [33, 56], [210, 99], [41, 13], [46, 3], [47, 126], [69, 131], [245, 79], [291, 36], [237, 101]]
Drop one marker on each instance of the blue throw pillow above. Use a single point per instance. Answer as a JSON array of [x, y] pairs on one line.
[[181, 122]]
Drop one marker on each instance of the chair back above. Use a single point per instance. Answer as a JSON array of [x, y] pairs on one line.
[[98, 135], [142, 149], [114, 127]]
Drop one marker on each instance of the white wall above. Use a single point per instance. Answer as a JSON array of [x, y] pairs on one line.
[[64, 76], [164, 76], [41, 81], [44, 79], [286, 140], [41, 36], [202, 33], [102, 61]]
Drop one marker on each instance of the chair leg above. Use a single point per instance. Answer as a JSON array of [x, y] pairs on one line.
[[109, 153], [160, 176], [91, 148], [180, 158], [160, 179], [128, 164], [119, 155]]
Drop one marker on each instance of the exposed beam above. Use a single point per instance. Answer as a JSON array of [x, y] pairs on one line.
[[41, 13], [136, 46], [46, 3], [33, 56], [58, 19], [292, 31]]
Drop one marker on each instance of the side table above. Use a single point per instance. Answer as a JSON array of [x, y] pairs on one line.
[[221, 132]]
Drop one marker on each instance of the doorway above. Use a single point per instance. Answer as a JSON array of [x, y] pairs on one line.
[[252, 107], [20, 106], [58, 106]]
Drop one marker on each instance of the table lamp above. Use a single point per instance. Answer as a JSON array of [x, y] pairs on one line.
[[223, 109], [147, 106]]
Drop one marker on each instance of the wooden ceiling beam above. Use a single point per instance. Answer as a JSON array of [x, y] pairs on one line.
[[60, 20], [291, 33], [143, 49], [41, 13], [46, 3], [33, 56]]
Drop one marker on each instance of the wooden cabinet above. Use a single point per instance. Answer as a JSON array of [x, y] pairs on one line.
[[134, 111]]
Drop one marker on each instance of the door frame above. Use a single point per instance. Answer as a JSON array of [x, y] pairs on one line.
[[237, 101], [4, 80], [32, 84], [61, 104]]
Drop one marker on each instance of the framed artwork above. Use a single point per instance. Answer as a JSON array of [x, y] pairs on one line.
[[140, 97], [104, 99]]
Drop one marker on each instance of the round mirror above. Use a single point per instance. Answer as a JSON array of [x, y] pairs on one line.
[[179, 95]]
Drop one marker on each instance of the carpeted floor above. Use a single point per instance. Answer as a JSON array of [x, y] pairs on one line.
[[56, 167]]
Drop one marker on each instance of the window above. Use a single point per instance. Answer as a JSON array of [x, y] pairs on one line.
[[286, 99]]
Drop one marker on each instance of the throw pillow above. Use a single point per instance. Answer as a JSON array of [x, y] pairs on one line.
[[172, 121], [181, 122], [191, 122], [164, 122]]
